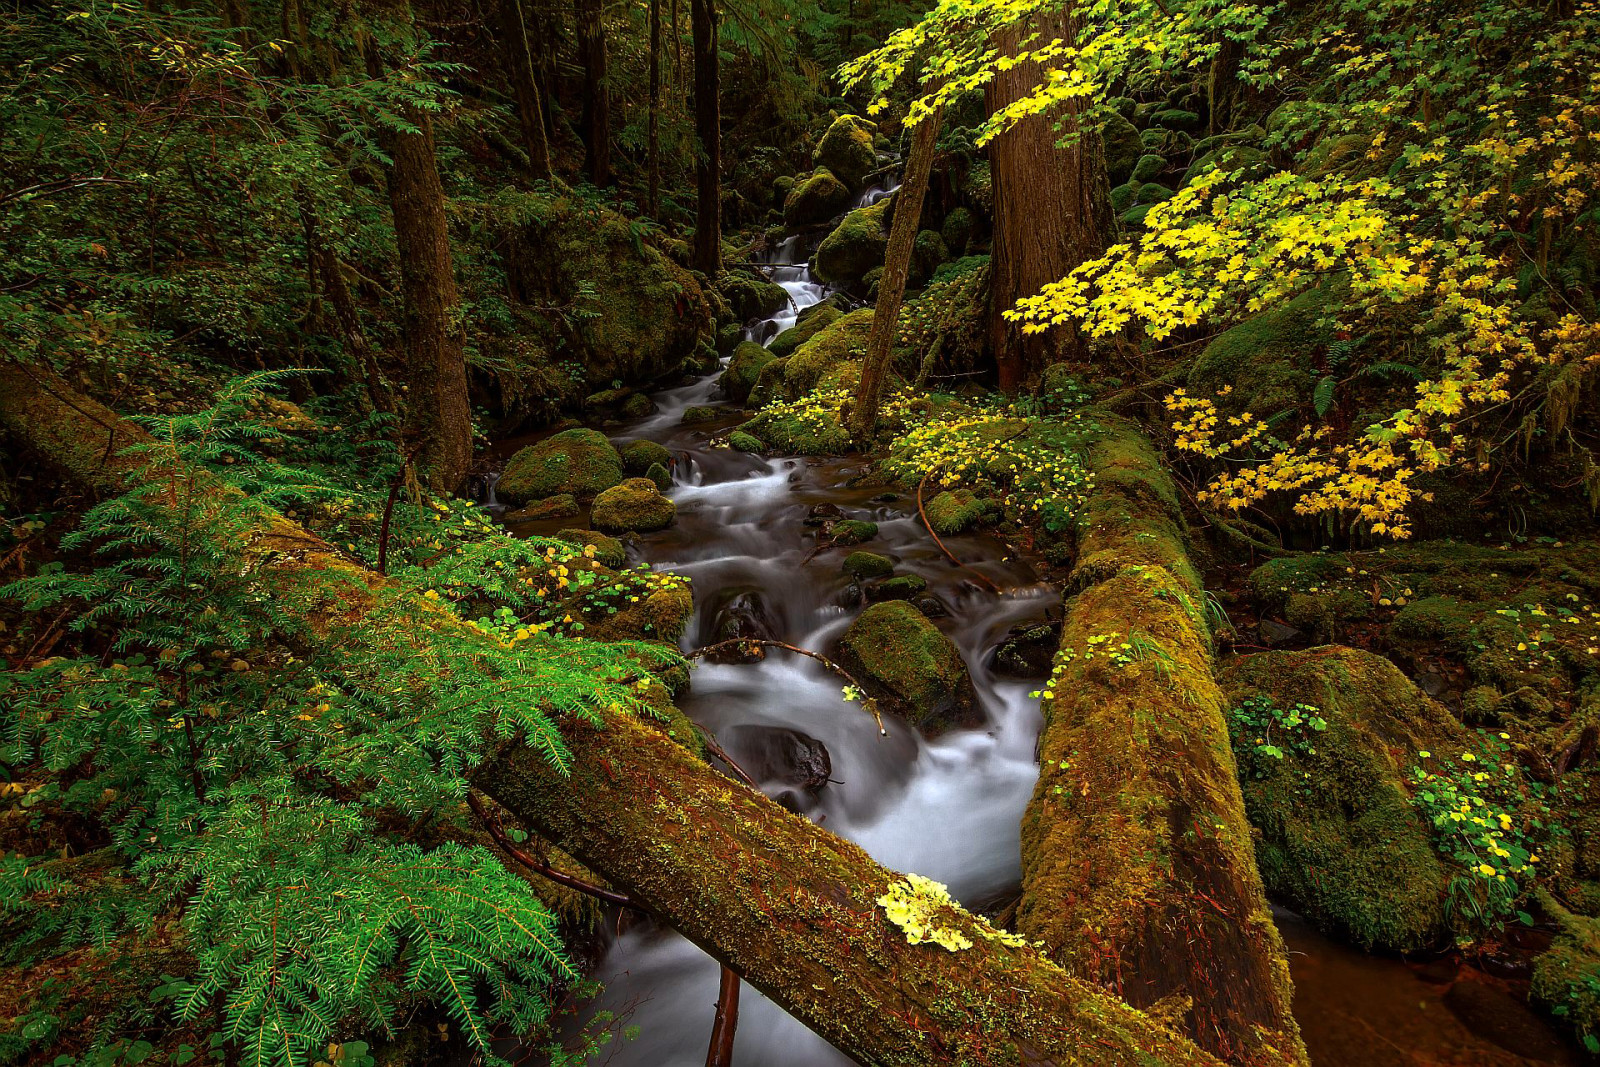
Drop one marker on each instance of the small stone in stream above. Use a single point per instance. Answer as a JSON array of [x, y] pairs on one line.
[[660, 475], [864, 565], [561, 506], [639, 456], [886, 498], [699, 414], [636, 406], [744, 615], [931, 607], [745, 442], [852, 531], [1027, 651], [902, 588], [779, 754], [1277, 633], [821, 513], [849, 596]]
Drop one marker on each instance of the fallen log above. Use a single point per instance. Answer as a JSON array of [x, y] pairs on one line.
[[768, 893], [1138, 871]]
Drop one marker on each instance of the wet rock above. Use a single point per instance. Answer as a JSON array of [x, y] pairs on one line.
[[865, 565], [607, 549], [639, 456], [660, 476], [1027, 651], [1275, 633], [822, 514], [804, 329], [636, 406], [749, 296], [580, 462], [846, 150], [815, 200], [904, 587], [636, 504], [851, 532], [743, 370], [744, 614], [563, 506], [931, 607], [744, 442], [698, 414], [857, 245], [906, 662], [777, 754]]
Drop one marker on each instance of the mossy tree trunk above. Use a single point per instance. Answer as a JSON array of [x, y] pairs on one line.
[[708, 131], [783, 902], [438, 414], [1051, 208], [896, 265], [596, 119], [525, 89], [1138, 868]]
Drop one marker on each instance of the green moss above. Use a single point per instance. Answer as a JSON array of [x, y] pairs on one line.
[[581, 462], [842, 340], [1151, 193], [1268, 360], [1122, 196], [864, 565], [956, 511], [815, 200], [743, 370], [561, 506], [607, 549], [660, 476], [663, 614], [928, 254], [846, 149], [749, 296], [639, 456], [788, 433], [1123, 148], [701, 413], [1230, 158], [769, 384], [636, 504], [1148, 167], [809, 326], [903, 587], [852, 532], [1340, 840], [906, 659], [744, 442], [856, 245], [957, 230], [1324, 613], [1174, 118]]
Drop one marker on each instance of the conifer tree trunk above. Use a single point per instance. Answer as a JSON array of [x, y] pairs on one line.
[[896, 266], [708, 130], [331, 278], [596, 93], [653, 134], [438, 414], [519, 71], [1051, 209]]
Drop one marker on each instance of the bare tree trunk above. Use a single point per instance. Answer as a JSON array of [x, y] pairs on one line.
[[653, 135], [596, 93], [896, 266], [1051, 210], [519, 71], [438, 414], [708, 130], [767, 892]]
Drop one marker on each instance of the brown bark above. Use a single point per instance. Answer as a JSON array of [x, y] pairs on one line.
[[892, 285], [330, 278], [708, 131], [653, 134], [1138, 866], [720, 1051], [438, 413], [1051, 209], [596, 118], [765, 891], [519, 71]]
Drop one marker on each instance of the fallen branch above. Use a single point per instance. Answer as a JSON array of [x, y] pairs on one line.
[[540, 867], [720, 1054], [922, 513], [868, 704]]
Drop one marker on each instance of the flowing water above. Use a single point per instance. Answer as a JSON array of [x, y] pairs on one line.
[[947, 807]]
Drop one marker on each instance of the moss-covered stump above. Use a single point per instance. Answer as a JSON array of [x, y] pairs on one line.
[[743, 370], [815, 200], [580, 462], [1138, 870], [803, 330], [846, 150], [1340, 841], [904, 659], [639, 456], [607, 549], [635, 505], [1268, 360], [957, 511], [856, 245]]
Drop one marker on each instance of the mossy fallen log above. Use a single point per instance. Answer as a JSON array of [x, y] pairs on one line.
[[788, 905], [1137, 864]]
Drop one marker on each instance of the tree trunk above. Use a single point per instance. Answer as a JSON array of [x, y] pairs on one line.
[[596, 93], [519, 71], [892, 285], [652, 198], [1051, 209], [438, 415], [330, 275], [767, 892], [708, 131], [1138, 867]]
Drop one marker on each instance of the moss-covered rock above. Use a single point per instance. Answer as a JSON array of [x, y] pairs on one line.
[[1566, 977], [843, 339], [1123, 148], [639, 456], [856, 245], [744, 442], [1176, 118], [895, 651], [660, 476], [750, 297], [807, 327], [864, 565], [607, 549], [1268, 360], [928, 254], [702, 413], [1340, 840], [1151, 193], [815, 200], [1122, 196], [1252, 161], [1148, 167], [852, 532], [769, 384], [636, 504], [956, 511], [901, 587], [579, 461], [660, 614], [743, 368], [561, 506], [957, 230], [846, 150], [787, 432]]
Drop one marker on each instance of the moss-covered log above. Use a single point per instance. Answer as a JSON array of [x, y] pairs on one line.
[[787, 904], [1137, 865]]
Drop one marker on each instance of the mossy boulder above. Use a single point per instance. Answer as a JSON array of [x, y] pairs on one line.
[[802, 331], [701, 413], [750, 297], [852, 532], [579, 461], [562, 506], [903, 658], [928, 254], [1252, 161], [1122, 196], [636, 504], [815, 200], [1339, 838], [1123, 148], [743, 368], [744, 442], [1269, 359], [1151, 193], [842, 340], [855, 246], [769, 384], [956, 511], [816, 435], [639, 456], [661, 613], [900, 587], [846, 150], [864, 565], [607, 549], [1176, 118], [660, 476], [957, 230], [1148, 167]]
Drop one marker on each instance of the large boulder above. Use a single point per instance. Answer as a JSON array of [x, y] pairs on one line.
[[843, 340], [636, 504], [815, 200], [580, 462], [805, 328], [743, 369], [639, 456], [856, 245], [751, 297], [1123, 148], [846, 150], [1339, 839], [905, 661], [1269, 359]]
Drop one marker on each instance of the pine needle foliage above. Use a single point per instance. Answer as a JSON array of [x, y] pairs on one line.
[[261, 762]]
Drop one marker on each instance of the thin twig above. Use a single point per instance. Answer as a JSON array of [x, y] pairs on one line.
[[710, 741], [540, 867], [720, 1052], [923, 514], [868, 703]]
